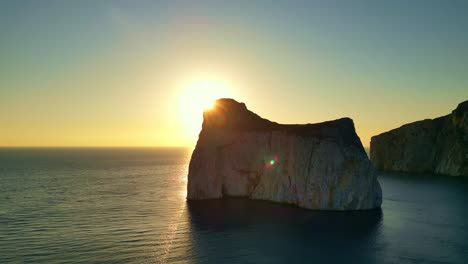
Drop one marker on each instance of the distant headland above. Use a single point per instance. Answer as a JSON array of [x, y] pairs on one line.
[[437, 145]]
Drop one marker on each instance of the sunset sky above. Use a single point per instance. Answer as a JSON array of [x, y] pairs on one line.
[[138, 73]]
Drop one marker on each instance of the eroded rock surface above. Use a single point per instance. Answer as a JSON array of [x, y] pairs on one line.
[[315, 166], [437, 145]]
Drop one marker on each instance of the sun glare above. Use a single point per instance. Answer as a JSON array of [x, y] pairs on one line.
[[198, 96]]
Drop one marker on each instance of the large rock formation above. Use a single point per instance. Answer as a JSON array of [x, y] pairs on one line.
[[316, 166], [437, 145]]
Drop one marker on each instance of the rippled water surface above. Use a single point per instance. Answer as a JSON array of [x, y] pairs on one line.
[[128, 206]]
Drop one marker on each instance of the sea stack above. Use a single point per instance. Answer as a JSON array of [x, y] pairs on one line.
[[437, 145], [315, 166]]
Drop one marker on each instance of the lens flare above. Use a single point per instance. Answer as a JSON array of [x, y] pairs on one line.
[[270, 161]]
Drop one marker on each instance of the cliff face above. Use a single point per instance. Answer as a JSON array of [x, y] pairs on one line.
[[316, 166], [433, 145]]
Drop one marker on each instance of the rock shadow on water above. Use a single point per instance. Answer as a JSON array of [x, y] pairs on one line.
[[244, 230]]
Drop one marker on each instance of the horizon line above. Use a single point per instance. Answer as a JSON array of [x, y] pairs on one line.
[[20, 146], [6, 147]]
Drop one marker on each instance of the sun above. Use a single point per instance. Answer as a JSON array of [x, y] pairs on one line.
[[201, 94], [198, 96]]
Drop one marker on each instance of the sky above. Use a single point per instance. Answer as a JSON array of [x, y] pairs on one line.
[[135, 73]]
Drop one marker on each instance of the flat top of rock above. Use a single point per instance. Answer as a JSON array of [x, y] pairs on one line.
[[230, 115], [238, 117]]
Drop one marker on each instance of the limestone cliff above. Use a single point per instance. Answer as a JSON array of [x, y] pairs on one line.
[[316, 166], [437, 145]]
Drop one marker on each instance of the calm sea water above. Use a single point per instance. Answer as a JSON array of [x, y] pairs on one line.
[[128, 206]]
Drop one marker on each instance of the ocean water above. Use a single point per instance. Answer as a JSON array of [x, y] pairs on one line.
[[121, 205]]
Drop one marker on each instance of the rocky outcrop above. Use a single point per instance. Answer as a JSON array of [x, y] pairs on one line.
[[437, 145], [315, 166]]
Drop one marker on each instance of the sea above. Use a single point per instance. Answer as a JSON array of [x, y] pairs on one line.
[[128, 205]]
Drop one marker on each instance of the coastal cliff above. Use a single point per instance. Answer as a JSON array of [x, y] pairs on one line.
[[437, 145], [315, 166]]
